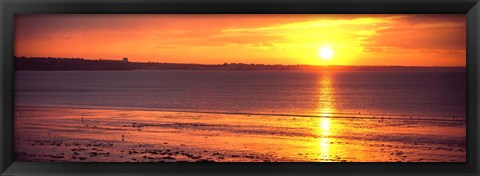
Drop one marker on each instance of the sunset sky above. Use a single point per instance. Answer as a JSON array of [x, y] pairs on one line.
[[419, 40]]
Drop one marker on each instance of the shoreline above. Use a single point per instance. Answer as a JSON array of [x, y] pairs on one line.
[[339, 115], [80, 64], [94, 135]]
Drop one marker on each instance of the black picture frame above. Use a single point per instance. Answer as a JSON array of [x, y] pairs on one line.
[[8, 9]]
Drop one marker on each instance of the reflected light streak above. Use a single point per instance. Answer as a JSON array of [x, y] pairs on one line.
[[325, 108]]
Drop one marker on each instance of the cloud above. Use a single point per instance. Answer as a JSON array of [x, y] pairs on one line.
[[446, 32], [296, 37]]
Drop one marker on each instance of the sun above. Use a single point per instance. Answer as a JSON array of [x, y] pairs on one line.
[[325, 53]]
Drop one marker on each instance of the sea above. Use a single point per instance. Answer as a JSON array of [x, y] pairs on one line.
[[400, 93]]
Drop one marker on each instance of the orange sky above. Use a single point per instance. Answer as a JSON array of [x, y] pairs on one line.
[[420, 40]]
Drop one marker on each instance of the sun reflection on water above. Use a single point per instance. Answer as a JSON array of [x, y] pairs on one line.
[[325, 110]]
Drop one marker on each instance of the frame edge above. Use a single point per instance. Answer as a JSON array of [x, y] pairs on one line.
[[6, 69], [473, 88]]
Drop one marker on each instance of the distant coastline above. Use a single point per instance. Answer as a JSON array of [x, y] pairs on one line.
[[79, 64]]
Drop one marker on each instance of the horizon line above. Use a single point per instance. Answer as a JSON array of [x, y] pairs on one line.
[[231, 63]]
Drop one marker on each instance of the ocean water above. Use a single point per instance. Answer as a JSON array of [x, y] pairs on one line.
[[412, 93]]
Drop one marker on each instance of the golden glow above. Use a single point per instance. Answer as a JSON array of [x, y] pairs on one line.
[[325, 53], [324, 141], [360, 39], [326, 92], [325, 124], [325, 108]]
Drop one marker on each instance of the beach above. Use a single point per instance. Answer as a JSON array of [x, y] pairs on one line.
[[60, 134]]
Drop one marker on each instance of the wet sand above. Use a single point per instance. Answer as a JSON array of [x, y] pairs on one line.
[[102, 135]]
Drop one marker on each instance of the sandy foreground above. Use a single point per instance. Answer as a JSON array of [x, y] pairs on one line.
[[100, 135]]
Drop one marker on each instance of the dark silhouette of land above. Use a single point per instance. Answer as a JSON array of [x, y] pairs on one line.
[[39, 63], [49, 63]]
